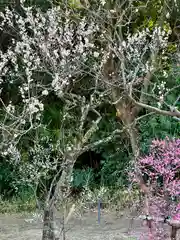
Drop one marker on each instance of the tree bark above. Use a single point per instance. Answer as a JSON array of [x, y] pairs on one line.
[[61, 185], [48, 225], [173, 233], [127, 113]]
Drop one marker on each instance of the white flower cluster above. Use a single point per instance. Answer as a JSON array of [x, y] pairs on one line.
[[161, 92], [176, 5], [49, 49], [10, 108], [12, 152], [34, 105], [102, 2], [40, 164], [52, 49], [138, 50]]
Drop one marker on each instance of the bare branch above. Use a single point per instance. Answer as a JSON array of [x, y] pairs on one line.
[[173, 113]]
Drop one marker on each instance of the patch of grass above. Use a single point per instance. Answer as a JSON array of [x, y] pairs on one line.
[[17, 205], [110, 199]]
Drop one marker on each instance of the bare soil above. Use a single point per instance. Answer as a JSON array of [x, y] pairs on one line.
[[111, 227]]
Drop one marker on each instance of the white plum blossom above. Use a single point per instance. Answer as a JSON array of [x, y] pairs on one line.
[[103, 2], [48, 53], [167, 15], [45, 92], [96, 54], [161, 89], [13, 152], [34, 105], [10, 108], [53, 49], [138, 50]]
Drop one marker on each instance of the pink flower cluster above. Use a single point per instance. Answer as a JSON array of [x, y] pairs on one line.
[[162, 167], [163, 163], [177, 214]]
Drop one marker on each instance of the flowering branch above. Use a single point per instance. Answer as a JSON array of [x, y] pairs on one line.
[[173, 110]]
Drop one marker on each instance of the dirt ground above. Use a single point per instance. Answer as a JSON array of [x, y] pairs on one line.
[[111, 227]]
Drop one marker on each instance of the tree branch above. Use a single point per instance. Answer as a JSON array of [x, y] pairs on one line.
[[102, 141], [173, 113]]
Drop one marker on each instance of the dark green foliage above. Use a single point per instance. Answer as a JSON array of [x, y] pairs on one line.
[[157, 127], [114, 155], [6, 178], [83, 178], [113, 167], [10, 186]]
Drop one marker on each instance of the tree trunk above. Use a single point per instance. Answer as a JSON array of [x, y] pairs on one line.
[[133, 137], [173, 233], [48, 225], [60, 193], [127, 113]]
